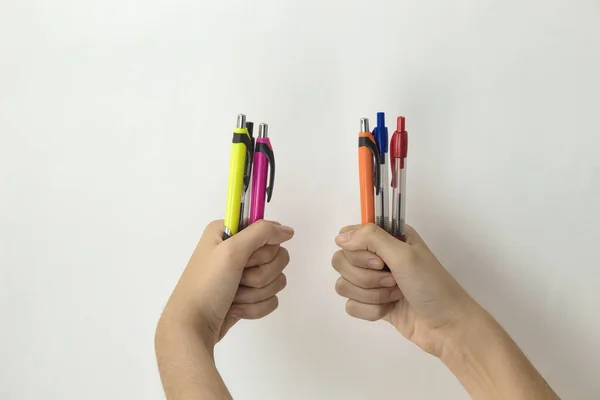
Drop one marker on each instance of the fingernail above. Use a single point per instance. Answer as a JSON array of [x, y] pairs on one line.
[[344, 237], [388, 281], [375, 263], [396, 295], [287, 229]]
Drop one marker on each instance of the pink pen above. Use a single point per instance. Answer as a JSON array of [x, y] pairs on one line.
[[264, 159]]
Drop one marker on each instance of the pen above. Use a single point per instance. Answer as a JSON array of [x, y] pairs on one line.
[[264, 159], [245, 206], [382, 217], [368, 171], [399, 151], [239, 177]]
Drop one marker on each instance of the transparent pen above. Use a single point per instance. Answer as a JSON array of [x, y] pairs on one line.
[[398, 153], [382, 200], [247, 193]]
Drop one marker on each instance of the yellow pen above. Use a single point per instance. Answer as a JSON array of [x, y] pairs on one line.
[[240, 164]]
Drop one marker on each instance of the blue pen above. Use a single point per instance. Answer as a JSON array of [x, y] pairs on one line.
[[382, 216]]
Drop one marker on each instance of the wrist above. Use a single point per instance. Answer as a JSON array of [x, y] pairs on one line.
[[171, 329], [471, 351], [186, 364], [477, 330], [181, 316], [489, 364]]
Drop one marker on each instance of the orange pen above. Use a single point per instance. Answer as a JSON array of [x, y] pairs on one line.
[[368, 171]]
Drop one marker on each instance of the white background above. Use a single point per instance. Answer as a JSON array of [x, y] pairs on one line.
[[115, 128]]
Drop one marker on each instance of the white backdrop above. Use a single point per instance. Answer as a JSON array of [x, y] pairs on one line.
[[115, 124]]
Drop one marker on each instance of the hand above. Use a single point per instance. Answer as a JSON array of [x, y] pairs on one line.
[[419, 297], [225, 281]]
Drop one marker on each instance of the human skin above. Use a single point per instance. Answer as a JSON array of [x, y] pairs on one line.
[[431, 309]]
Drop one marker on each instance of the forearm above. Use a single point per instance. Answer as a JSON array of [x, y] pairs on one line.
[[489, 364], [186, 365]]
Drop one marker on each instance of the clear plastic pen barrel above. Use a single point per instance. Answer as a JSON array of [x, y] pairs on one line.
[[399, 200], [246, 196], [382, 202]]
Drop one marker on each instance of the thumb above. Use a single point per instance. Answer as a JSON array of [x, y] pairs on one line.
[[371, 237], [261, 233]]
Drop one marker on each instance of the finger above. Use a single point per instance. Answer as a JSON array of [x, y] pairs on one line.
[[256, 310], [261, 276], [240, 247], [368, 312], [249, 295], [374, 239], [263, 255], [349, 228], [361, 277], [364, 259], [273, 222], [214, 232], [367, 296]]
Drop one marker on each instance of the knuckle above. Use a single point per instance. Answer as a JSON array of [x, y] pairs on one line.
[[370, 228], [337, 259], [260, 280], [252, 278], [350, 256], [284, 256], [374, 313], [340, 287], [263, 225], [351, 309], [280, 283], [349, 228]]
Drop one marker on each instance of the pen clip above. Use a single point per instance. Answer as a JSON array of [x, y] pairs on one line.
[[266, 149], [368, 143], [247, 141]]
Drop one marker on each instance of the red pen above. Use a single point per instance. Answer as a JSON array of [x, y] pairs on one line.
[[398, 152]]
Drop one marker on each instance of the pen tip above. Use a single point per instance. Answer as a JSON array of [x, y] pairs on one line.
[[400, 124], [364, 125]]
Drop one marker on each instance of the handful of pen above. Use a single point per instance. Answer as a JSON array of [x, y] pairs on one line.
[[247, 188], [373, 175]]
